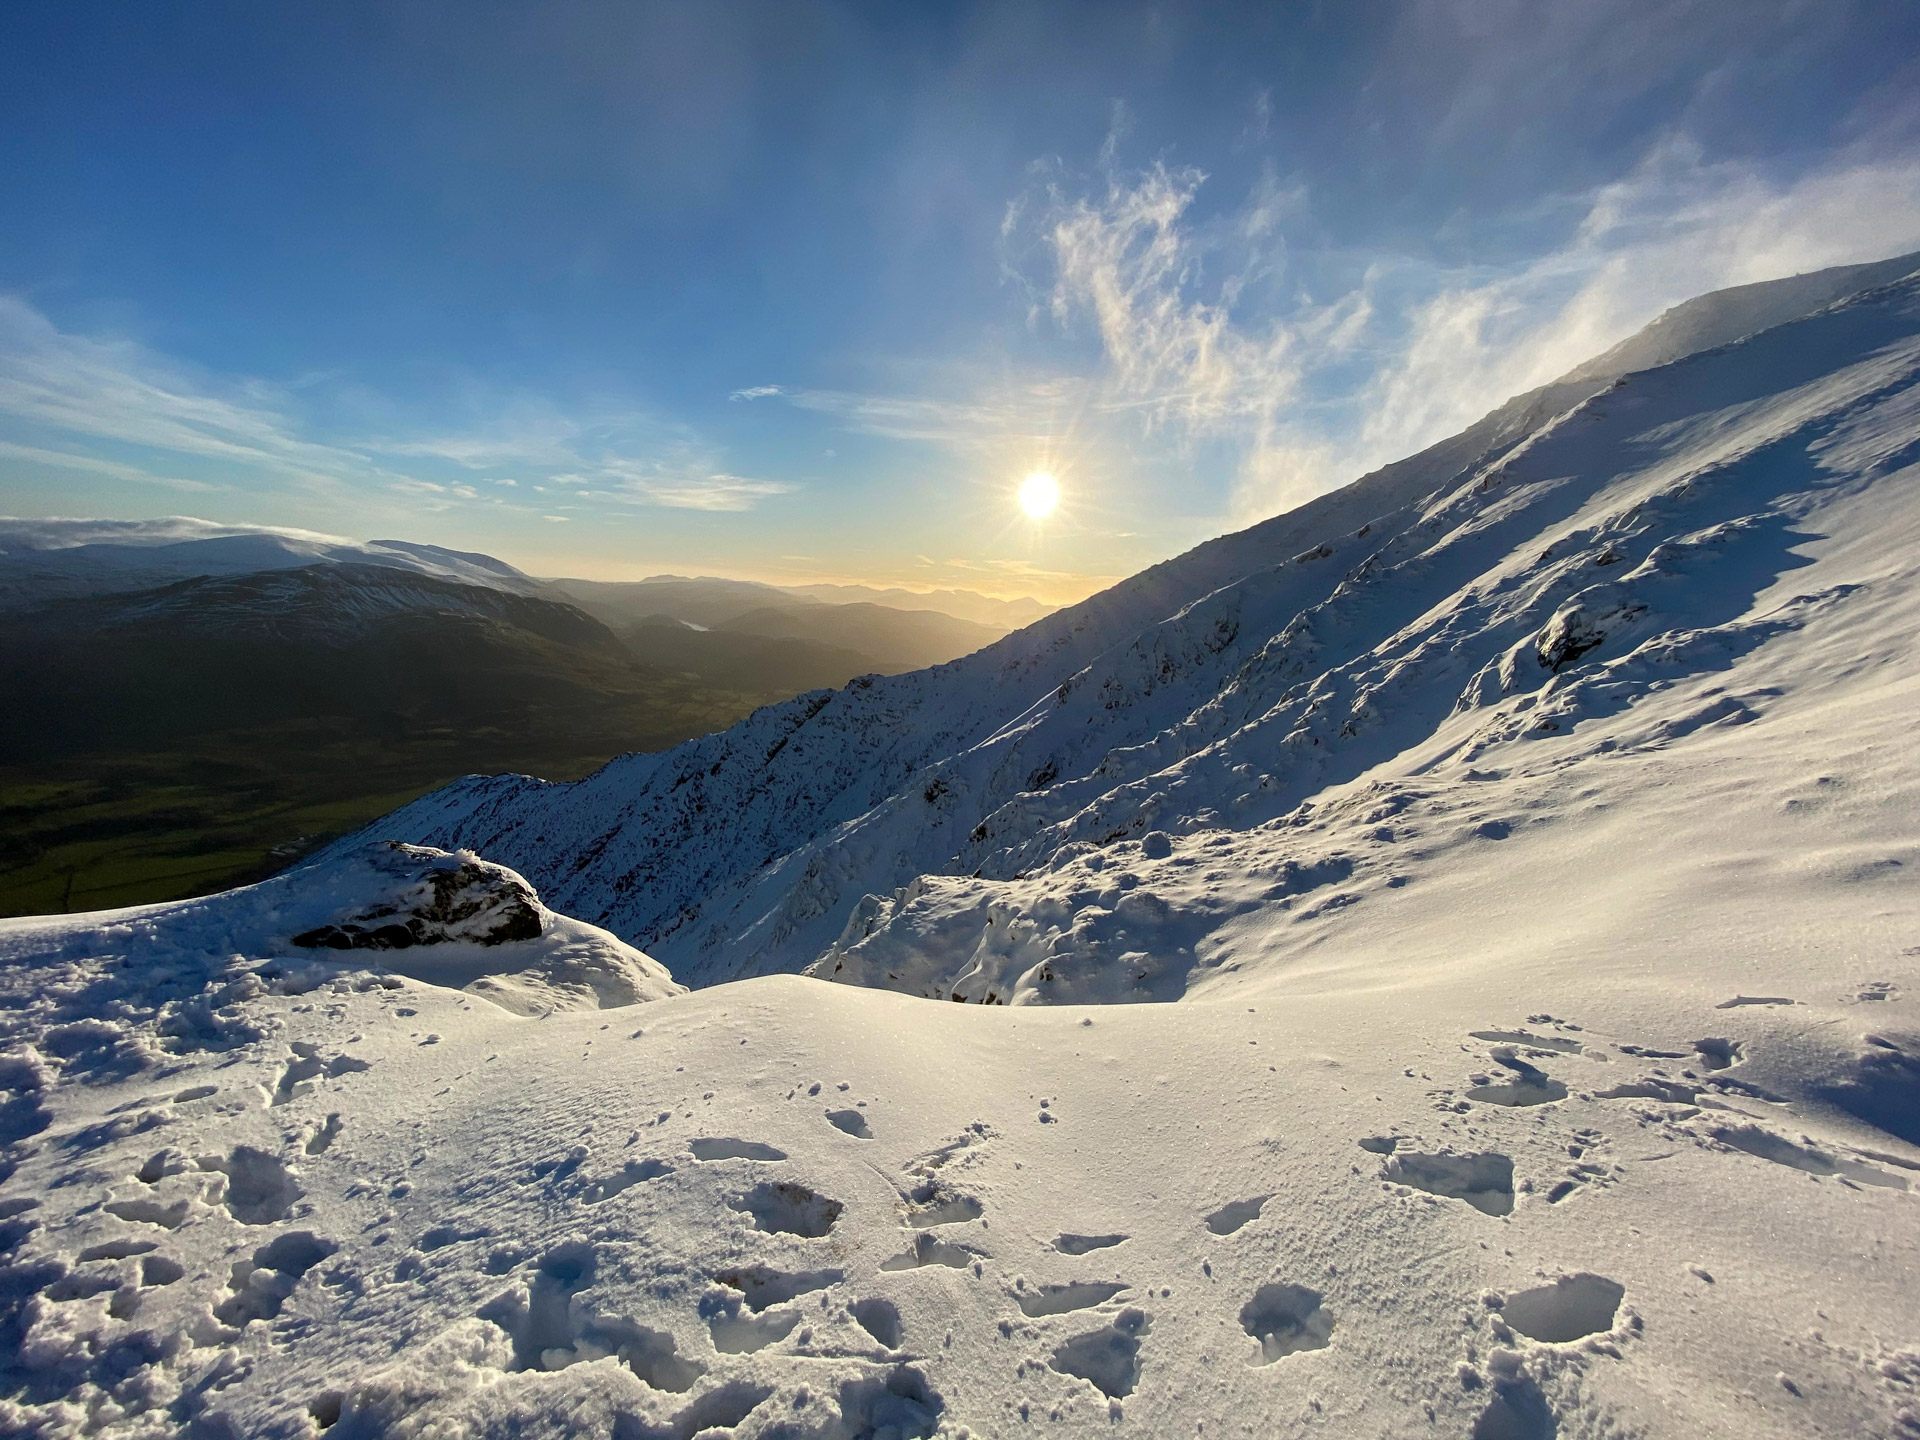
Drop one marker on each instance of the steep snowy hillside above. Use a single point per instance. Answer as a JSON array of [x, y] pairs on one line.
[[1600, 538], [1527, 834]]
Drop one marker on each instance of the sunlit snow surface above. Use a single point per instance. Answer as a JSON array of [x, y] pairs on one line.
[[1535, 873]]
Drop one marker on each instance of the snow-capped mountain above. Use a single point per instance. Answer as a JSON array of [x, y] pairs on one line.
[[1586, 547], [50, 559]]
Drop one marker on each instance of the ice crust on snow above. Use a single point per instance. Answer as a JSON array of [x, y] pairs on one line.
[[1526, 835]]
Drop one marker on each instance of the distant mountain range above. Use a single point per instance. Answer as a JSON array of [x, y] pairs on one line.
[[188, 704], [818, 643]]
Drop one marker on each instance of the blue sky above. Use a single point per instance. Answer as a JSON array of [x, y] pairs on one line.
[[802, 291]]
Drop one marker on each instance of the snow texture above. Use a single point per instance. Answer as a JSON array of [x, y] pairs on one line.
[[1526, 834]]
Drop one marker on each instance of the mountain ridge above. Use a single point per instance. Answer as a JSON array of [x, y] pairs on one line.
[[838, 799]]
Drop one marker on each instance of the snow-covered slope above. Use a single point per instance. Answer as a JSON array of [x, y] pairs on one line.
[[1533, 870], [51, 559], [1628, 531]]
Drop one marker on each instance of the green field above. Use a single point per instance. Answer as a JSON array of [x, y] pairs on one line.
[[93, 832]]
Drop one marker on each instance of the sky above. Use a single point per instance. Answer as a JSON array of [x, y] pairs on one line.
[[803, 292]]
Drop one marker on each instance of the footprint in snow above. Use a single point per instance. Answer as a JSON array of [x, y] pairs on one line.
[[308, 1066], [929, 1249], [150, 1212], [629, 1175], [783, 1208], [1063, 1299], [1571, 1308], [1717, 1054], [730, 1149], [1484, 1181], [1527, 1085], [1070, 1244], [1557, 1044], [762, 1286], [939, 1157], [320, 1140], [1518, 1411], [932, 1204], [257, 1188], [720, 1409], [1231, 1217], [1108, 1358], [880, 1319], [1809, 1158], [550, 1330], [1286, 1319], [261, 1287], [736, 1334], [850, 1122]]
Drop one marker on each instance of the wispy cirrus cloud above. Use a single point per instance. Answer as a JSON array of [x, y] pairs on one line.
[[611, 455], [114, 408], [990, 415], [96, 465], [64, 390], [1313, 393]]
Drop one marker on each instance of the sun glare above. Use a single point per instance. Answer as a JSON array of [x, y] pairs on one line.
[[1039, 493]]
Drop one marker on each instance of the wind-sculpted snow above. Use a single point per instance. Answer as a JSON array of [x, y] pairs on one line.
[[1606, 539], [1526, 833]]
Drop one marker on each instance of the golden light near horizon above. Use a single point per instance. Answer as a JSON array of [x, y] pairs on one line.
[[1039, 494]]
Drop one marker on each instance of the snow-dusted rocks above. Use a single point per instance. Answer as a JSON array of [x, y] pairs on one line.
[[455, 919], [448, 919], [432, 898]]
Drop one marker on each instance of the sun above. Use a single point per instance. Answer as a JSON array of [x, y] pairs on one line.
[[1039, 494]]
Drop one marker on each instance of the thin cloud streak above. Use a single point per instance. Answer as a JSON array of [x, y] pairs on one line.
[[93, 464], [115, 393]]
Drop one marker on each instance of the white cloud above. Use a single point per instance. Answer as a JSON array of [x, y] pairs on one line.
[[85, 403], [756, 392], [113, 390], [1174, 353], [94, 464], [711, 492]]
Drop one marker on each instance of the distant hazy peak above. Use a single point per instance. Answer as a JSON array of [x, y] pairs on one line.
[[961, 604]]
